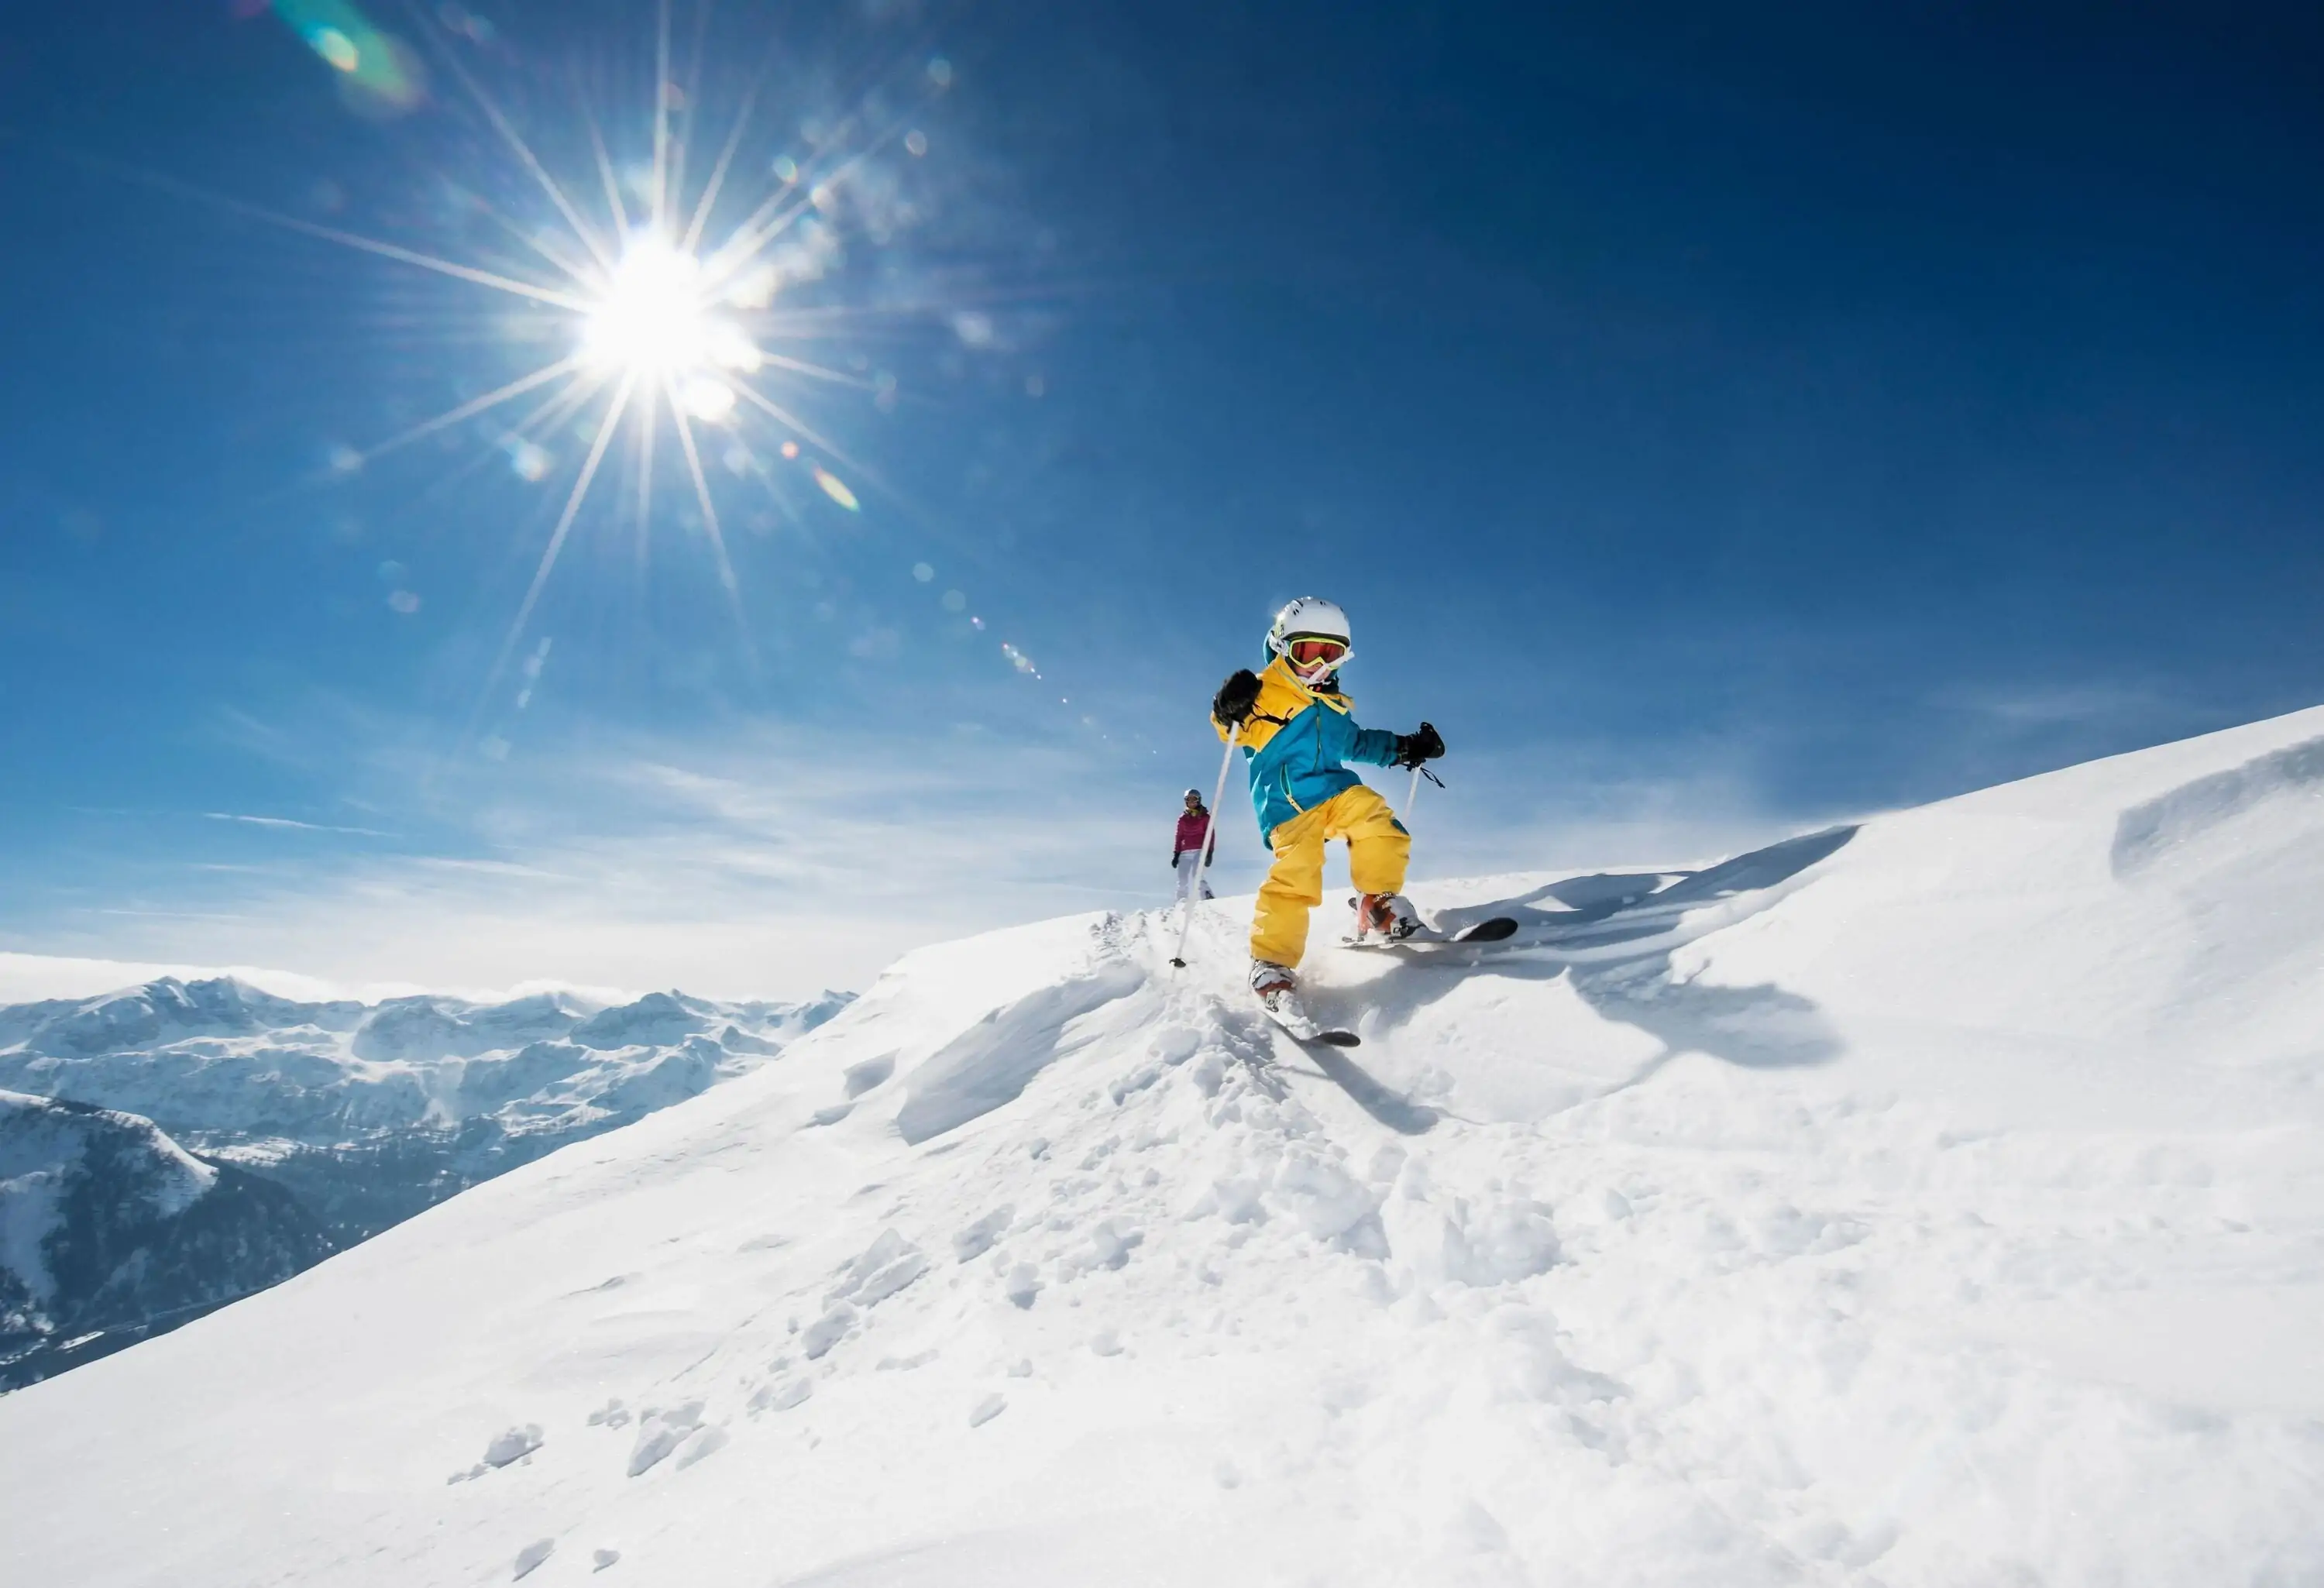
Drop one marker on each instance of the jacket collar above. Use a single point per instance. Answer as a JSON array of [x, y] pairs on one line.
[[1280, 671]]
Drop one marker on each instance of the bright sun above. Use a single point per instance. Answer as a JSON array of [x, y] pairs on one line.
[[659, 319], [653, 318]]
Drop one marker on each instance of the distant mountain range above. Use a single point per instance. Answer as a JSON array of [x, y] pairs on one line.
[[168, 1149]]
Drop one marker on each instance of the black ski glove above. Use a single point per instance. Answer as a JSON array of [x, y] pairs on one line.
[[1424, 743], [1236, 698]]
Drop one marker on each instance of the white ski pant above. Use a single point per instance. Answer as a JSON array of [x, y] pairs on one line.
[[1187, 860]]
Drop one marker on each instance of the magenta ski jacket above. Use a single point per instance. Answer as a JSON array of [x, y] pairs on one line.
[[1191, 829]]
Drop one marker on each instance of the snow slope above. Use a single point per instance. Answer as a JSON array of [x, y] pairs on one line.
[[1940, 1202]]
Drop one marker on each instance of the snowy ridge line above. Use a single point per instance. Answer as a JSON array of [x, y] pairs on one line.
[[2146, 829], [221, 1058], [1940, 1204]]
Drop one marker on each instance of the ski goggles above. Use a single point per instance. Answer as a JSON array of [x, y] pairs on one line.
[[1309, 652]]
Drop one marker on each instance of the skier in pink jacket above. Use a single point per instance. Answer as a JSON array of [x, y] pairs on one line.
[[1186, 848]]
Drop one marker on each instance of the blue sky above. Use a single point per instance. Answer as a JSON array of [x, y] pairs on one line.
[[1715, 422]]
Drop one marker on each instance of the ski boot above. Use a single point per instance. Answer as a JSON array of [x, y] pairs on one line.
[[1385, 917], [1278, 986]]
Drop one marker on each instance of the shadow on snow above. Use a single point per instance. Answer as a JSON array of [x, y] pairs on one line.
[[1614, 936]]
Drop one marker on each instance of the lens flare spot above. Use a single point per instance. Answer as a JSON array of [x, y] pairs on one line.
[[953, 601], [836, 489], [338, 49], [1018, 660], [790, 449], [922, 572], [529, 459], [380, 75]]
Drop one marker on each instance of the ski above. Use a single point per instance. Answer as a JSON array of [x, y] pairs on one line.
[[1499, 928], [1303, 1029]]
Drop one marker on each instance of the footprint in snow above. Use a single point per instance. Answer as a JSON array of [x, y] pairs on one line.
[[884, 1268], [603, 1558], [827, 1331], [530, 1557], [1175, 1044], [781, 1397], [986, 1409], [706, 1442], [660, 1431], [977, 1239], [513, 1446]]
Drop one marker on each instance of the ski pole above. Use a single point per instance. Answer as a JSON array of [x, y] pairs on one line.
[[1412, 796], [1210, 845]]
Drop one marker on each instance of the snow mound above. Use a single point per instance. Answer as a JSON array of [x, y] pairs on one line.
[[1936, 1201]]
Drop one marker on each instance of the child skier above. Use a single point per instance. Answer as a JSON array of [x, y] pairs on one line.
[[1296, 731], [1187, 847]]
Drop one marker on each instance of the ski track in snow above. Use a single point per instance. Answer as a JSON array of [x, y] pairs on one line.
[[1937, 1202]]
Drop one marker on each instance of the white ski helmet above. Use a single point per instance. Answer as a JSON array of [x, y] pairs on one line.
[[1311, 617]]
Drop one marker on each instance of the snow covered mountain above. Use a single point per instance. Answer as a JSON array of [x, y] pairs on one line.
[[1939, 1201], [311, 1126], [225, 1058], [109, 1229]]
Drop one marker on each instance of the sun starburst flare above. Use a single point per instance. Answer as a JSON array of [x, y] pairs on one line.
[[665, 323]]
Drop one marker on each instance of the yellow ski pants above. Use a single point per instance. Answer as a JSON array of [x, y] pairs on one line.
[[1379, 849]]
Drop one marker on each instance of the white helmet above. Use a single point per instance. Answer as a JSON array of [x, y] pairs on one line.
[[1311, 617]]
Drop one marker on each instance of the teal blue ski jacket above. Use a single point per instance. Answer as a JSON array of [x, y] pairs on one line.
[[1295, 743]]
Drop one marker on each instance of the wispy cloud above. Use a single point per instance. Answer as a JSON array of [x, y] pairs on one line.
[[171, 915], [284, 821], [2052, 704], [741, 868], [731, 863]]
